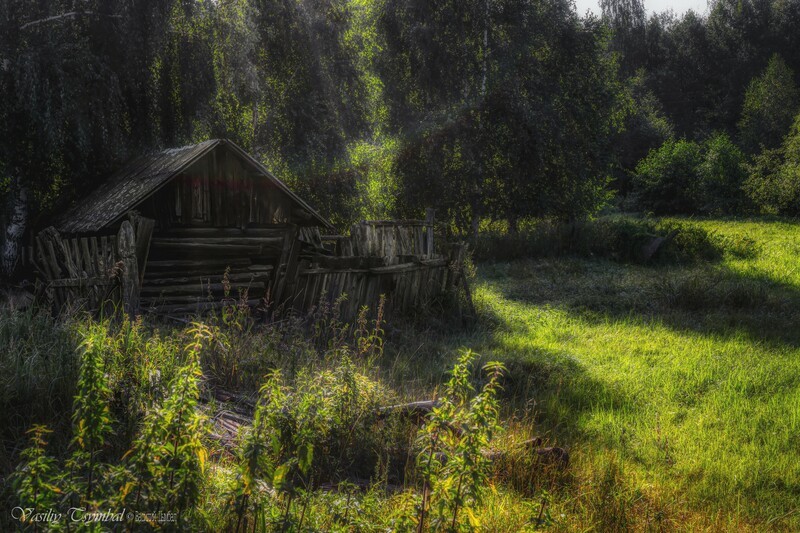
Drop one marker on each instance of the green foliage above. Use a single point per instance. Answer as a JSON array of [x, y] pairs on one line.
[[34, 481], [164, 470], [666, 180], [721, 175], [774, 180], [643, 128], [318, 429], [770, 104], [168, 459], [41, 362], [90, 411], [621, 239], [451, 460], [684, 177]]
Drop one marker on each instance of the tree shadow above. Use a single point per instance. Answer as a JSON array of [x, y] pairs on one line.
[[709, 300]]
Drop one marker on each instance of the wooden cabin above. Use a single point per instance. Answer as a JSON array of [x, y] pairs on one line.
[[185, 229]]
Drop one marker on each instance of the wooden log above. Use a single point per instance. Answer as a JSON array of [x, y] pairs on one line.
[[81, 282], [224, 240], [209, 264], [234, 277], [356, 262], [199, 249], [203, 306], [199, 288], [395, 269], [276, 231]]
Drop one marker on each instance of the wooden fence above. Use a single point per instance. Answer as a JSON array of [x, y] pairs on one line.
[[92, 272], [394, 259]]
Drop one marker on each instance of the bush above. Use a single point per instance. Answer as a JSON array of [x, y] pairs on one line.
[[620, 239], [721, 174], [769, 105], [774, 180], [666, 181]]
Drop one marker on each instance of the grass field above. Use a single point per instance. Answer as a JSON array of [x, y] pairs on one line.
[[676, 388]]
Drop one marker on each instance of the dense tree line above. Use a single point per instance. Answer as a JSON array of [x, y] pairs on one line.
[[485, 109]]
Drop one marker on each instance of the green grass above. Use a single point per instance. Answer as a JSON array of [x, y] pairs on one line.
[[685, 379], [675, 387]]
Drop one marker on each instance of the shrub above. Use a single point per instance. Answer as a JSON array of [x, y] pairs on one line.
[[721, 174], [451, 461], [774, 180], [617, 238], [769, 105], [164, 470], [319, 429], [666, 181]]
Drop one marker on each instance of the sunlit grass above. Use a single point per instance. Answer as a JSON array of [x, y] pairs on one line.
[[701, 406]]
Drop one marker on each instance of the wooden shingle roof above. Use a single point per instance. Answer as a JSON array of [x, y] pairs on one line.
[[144, 176]]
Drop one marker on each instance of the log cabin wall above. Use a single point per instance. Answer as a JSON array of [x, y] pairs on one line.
[[217, 216]]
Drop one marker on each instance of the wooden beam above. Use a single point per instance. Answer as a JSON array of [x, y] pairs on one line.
[[280, 272], [126, 248]]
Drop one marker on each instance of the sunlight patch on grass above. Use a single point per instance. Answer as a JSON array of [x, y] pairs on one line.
[[702, 404]]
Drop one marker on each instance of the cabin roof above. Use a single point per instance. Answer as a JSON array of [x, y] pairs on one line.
[[145, 175]]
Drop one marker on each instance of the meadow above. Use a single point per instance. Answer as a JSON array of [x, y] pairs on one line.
[[680, 383], [673, 384]]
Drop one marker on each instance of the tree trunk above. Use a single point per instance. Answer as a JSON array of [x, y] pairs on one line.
[[513, 226], [14, 231]]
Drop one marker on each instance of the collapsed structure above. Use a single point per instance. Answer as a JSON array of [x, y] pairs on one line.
[[184, 230]]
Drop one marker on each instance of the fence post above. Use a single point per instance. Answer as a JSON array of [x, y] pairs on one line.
[[430, 218], [126, 248]]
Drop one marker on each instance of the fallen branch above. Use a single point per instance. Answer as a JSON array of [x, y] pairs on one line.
[[64, 16], [239, 410]]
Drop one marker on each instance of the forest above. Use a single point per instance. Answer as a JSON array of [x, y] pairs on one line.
[[628, 185]]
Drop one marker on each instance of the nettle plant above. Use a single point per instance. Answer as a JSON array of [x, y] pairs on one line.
[[301, 435], [452, 460], [163, 471]]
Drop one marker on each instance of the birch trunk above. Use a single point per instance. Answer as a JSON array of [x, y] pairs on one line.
[[17, 222]]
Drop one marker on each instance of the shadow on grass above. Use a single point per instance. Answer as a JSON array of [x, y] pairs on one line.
[[708, 300]]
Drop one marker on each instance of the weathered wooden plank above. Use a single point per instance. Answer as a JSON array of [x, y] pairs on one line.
[[280, 269], [233, 277], [75, 253], [88, 262], [406, 222], [81, 282], [106, 267], [201, 249], [195, 231], [94, 253], [198, 287], [112, 245], [144, 233], [209, 264], [184, 308], [126, 250], [222, 240]]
